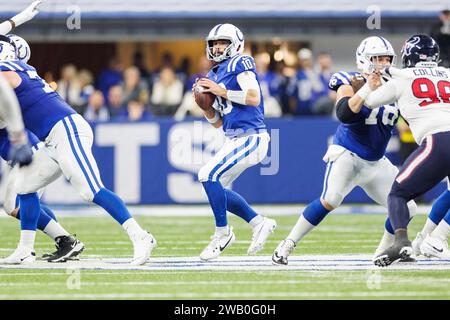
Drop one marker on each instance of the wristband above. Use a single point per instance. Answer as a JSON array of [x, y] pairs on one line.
[[215, 119], [364, 91], [13, 24], [237, 96]]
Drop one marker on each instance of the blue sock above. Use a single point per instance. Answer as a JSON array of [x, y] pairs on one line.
[[43, 219], [440, 207], [218, 201], [48, 212], [388, 226], [315, 212], [113, 205], [30, 209], [237, 205]]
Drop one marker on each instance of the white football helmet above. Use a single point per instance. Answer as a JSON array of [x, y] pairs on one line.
[[373, 47], [228, 32], [7, 49], [23, 51]]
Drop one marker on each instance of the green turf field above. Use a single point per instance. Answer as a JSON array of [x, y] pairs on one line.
[[187, 236]]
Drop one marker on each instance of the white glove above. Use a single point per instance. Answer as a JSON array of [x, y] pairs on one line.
[[26, 15]]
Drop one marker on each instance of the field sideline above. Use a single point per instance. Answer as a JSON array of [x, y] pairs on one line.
[[333, 262]]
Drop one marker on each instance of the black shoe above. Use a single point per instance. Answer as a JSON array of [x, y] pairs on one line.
[[67, 248], [400, 251]]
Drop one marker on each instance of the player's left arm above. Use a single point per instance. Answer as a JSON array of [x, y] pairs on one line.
[[248, 96], [26, 15]]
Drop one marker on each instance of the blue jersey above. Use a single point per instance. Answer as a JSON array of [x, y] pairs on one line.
[[41, 106], [370, 131], [5, 143], [236, 118]]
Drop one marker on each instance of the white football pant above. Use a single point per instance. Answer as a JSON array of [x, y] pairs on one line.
[[236, 155], [345, 171], [68, 146]]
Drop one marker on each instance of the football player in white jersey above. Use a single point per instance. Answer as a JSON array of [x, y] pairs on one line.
[[422, 91], [357, 155]]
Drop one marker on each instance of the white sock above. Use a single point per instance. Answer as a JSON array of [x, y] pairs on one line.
[[27, 238], [53, 229], [386, 242], [131, 227], [442, 231], [428, 227], [223, 231], [301, 228], [256, 221]]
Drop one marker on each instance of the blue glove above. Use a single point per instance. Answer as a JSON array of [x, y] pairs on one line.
[[21, 153]]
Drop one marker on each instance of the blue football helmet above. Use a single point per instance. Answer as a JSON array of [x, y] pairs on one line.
[[419, 48]]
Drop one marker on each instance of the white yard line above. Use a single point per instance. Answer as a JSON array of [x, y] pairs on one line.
[[241, 263]]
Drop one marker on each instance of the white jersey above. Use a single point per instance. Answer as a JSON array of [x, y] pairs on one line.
[[422, 95]]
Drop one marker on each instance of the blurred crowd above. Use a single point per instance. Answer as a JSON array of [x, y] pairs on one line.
[[135, 93]]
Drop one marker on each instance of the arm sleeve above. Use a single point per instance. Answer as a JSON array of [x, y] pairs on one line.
[[385, 94], [247, 80], [344, 113], [10, 109]]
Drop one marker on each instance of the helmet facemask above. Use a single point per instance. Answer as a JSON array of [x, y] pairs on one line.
[[227, 53], [374, 66]]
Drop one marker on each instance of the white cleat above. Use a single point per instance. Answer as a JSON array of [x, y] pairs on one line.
[[417, 242], [22, 255], [217, 245], [143, 244], [260, 235], [282, 252], [435, 247]]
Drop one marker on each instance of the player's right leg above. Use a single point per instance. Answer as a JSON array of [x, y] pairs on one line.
[[70, 143], [223, 236], [341, 177], [440, 208], [435, 244], [377, 187], [27, 180], [423, 169]]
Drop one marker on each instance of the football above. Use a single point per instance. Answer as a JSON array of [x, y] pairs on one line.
[[204, 100]]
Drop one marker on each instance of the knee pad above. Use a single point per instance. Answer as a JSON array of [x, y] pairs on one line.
[[203, 174], [333, 200]]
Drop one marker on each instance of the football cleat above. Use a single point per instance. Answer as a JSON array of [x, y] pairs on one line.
[[384, 246], [143, 245], [217, 245], [282, 252], [67, 248], [400, 250], [260, 234], [435, 247], [417, 242], [22, 255]]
